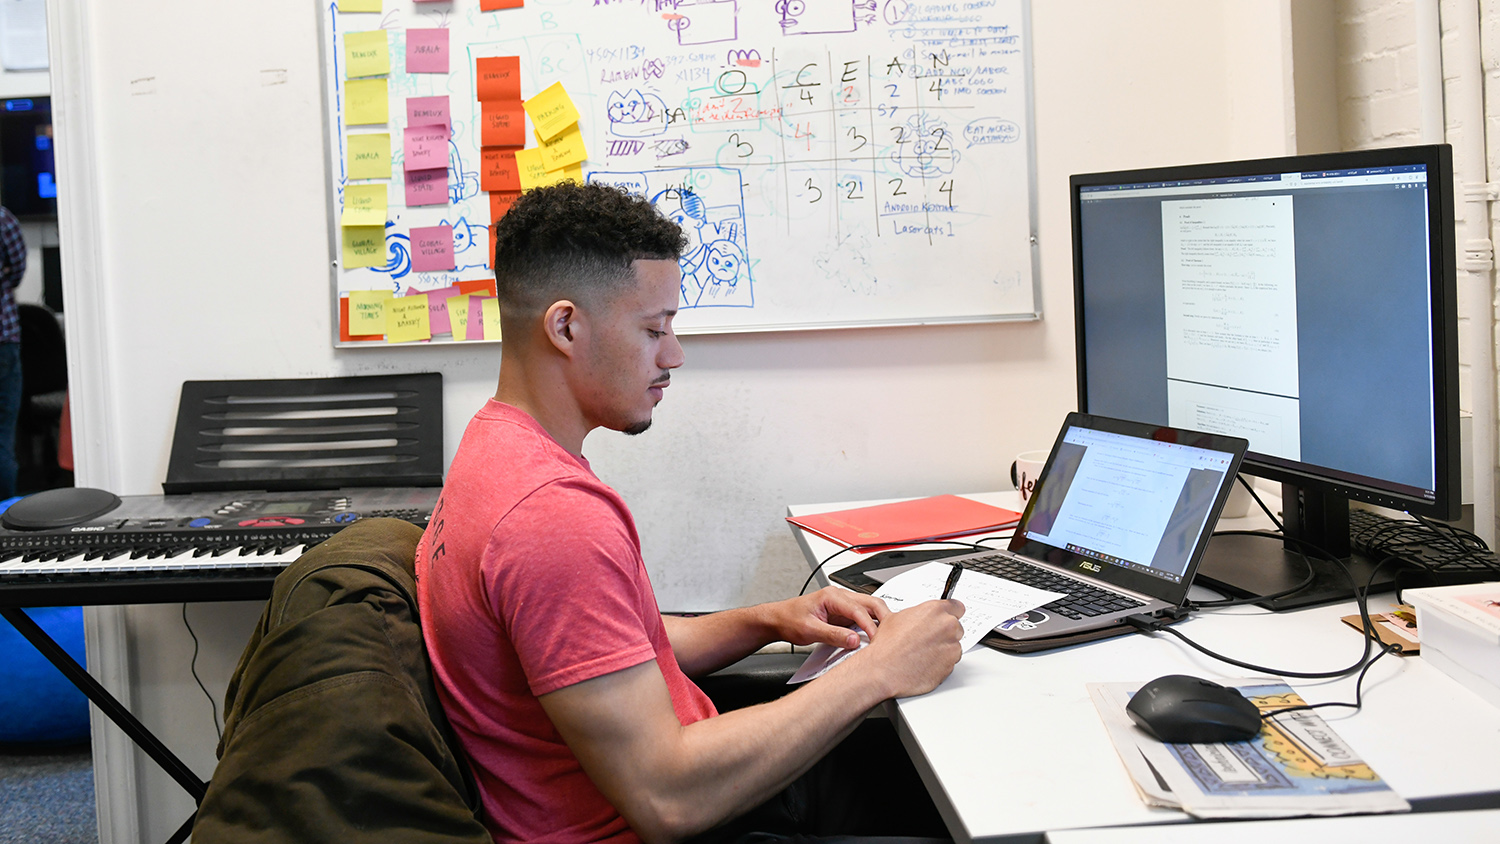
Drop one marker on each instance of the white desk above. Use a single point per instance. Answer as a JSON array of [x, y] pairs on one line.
[[1478, 827], [1010, 746]]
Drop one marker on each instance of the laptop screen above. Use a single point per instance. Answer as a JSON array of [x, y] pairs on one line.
[[1122, 506]]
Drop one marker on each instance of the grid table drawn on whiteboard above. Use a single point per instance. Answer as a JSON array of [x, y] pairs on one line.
[[832, 162]]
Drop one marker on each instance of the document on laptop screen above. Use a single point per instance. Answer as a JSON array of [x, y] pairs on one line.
[[1127, 501]]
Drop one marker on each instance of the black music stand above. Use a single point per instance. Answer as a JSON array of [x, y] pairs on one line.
[[204, 451]]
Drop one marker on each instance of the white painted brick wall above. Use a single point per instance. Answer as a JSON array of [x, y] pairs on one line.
[[1377, 73]]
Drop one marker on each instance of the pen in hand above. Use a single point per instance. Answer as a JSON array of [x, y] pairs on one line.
[[952, 582]]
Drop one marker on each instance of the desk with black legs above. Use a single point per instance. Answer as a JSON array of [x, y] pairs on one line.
[[1011, 747]]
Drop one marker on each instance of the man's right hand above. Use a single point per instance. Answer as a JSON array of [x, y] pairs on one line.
[[915, 649]]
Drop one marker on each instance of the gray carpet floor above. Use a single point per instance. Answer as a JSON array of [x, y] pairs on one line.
[[47, 795]]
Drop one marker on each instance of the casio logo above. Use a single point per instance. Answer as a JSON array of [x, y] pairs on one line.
[[88, 527], [1091, 567]]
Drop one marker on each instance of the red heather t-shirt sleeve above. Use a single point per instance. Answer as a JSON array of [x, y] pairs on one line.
[[569, 590]]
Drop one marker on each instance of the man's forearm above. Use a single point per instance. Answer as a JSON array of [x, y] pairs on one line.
[[704, 644]]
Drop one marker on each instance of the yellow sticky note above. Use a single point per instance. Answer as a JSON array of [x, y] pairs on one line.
[[366, 101], [406, 319], [458, 316], [367, 311], [366, 54], [562, 149], [370, 156], [364, 246], [364, 205], [551, 111], [359, 5], [491, 308], [532, 170]]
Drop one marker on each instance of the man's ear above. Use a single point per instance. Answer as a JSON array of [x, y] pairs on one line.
[[563, 325]]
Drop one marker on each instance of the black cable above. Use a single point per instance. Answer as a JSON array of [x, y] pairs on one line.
[[194, 667], [1267, 510], [1312, 574], [975, 545]]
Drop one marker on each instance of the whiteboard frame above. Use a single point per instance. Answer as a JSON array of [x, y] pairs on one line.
[[1033, 315]]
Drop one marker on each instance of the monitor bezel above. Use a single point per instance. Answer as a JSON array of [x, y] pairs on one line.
[[1442, 239]]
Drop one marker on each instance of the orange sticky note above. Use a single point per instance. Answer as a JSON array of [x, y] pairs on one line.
[[551, 111], [477, 286], [497, 5], [499, 79], [500, 202], [406, 319], [564, 148], [497, 170], [502, 124]]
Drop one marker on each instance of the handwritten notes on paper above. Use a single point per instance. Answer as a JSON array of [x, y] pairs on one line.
[[563, 149], [359, 5], [363, 246], [502, 125], [370, 156], [367, 311], [428, 111], [427, 187], [551, 111], [432, 248], [498, 79], [498, 171], [364, 205], [406, 319], [458, 316], [427, 51], [368, 101], [366, 54], [532, 170], [425, 147]]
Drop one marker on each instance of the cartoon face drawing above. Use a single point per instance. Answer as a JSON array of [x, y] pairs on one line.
[[724, 261], [815, 17], [627, 106], [925, 148], [463, 234], [635, 113]]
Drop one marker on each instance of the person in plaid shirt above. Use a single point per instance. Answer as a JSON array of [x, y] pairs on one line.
[[12, 268]]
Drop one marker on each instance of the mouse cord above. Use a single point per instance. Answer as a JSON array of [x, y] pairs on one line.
[[1235, 602], [193, 665]]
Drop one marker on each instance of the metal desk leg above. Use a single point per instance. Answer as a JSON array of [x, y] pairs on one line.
[[106, 702]]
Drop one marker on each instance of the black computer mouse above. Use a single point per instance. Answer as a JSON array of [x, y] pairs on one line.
[[1179, 709]]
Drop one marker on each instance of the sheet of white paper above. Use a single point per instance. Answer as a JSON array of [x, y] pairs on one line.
[[824, 657], [987, 600]]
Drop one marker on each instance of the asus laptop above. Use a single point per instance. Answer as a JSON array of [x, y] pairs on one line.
[[1118, 521]]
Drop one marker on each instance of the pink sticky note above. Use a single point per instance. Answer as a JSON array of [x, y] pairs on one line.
[[475, 328], [427, 187], [432, 248], [427, 51], [437, 309], [426, 147], [428, 111]]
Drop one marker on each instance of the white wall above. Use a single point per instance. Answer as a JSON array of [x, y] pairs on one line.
[[205, 255]]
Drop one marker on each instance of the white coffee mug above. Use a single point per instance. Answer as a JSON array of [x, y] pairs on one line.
[[1026, 469]]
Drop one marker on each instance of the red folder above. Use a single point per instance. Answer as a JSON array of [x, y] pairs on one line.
[[908, 522]]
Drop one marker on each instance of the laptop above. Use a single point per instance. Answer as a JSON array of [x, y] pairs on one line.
[[1118, 521]]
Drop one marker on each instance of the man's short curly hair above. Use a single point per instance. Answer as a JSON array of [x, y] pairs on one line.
[[575, 240]]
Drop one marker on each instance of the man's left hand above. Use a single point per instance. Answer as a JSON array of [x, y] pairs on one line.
[[825, 616]]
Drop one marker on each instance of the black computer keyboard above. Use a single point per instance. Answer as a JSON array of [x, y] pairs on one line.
[[1433, 558], [1083, 600]]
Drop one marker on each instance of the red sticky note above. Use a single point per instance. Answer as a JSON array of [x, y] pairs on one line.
[[344, 335], [432, 248], [497, 5], [427, 51], [437, 308], [500, 202], [502, 124], [498, 171], [428, 111], [426, 147], [477, 287], [427, 187], [499, 79]]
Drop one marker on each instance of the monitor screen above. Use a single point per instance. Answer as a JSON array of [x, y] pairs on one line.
[[28, 181], [1306, 304]]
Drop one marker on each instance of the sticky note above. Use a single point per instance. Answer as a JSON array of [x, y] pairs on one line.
[[427, 187], [366, 54], [428, 111], [498, 79], [502, 125], [478, 286], [364, 246], [406, 319], [564, 148], [497, 170], [427, 51], [500, 202], [437, 308], [364, 205], [534, 173], [370, 156], [367, 311], [344, 333], [475, 325], [432, 248], [366, 101], [497, 5], [551, 111], [359, 5], [458, 316], [426, 147], [491, 308]]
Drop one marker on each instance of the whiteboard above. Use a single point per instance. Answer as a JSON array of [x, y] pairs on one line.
[[833, 162]]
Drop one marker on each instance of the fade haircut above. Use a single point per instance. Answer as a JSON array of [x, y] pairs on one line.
[[575, 241]]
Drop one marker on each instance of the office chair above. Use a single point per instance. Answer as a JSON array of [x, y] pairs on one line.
[[44, 388]]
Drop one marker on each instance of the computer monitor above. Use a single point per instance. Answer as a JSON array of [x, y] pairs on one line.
[[1305, 303], [28, 173]]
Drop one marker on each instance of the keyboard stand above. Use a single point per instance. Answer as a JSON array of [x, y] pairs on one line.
[[112, 708]]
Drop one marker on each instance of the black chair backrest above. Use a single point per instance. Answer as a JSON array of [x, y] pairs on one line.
[[44, 356]]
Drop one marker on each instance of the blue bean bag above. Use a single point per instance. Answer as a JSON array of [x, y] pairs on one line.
[[37, 703]]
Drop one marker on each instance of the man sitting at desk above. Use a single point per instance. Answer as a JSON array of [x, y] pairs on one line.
[[564, 683]]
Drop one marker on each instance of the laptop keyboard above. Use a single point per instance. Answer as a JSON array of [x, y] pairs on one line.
[[1082, 601]]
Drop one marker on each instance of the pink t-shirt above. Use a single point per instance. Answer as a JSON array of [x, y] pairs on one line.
[[530, 579]]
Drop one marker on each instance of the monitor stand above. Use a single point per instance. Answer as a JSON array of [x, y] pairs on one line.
[[1248, 566]]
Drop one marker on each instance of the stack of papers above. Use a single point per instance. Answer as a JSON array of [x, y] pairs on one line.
[[1297, 765], [907, 522], [1460, 629]]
